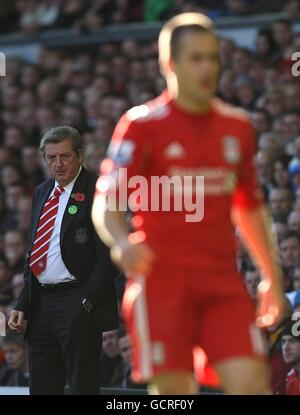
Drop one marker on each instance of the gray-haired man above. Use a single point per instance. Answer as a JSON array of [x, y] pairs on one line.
[[68, 297]]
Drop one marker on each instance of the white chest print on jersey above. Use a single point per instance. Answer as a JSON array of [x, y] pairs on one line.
[[174, 151], [231, 149]]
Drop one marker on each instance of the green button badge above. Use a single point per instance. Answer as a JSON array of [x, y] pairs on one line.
[[72, 209]]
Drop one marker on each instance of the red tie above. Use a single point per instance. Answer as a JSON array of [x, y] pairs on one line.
[[38, 257]]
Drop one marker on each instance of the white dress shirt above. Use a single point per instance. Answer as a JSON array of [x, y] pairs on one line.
[[56, 272]]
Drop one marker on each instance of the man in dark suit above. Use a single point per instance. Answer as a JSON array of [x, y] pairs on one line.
[[68, 296]]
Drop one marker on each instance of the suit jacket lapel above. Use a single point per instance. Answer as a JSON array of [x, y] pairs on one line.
[[73, 205], [39, 206]]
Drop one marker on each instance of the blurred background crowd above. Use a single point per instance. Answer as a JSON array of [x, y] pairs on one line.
[[90, 89], [31, 16]]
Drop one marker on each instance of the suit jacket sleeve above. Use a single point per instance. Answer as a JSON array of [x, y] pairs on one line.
[[99, 286], [24, 298], [100, 283]]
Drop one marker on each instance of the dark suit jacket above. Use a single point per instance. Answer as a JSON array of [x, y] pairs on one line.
[[84, 254]]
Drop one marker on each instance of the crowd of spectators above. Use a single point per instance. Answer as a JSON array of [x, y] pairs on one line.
[[32, 16], [90, 91]]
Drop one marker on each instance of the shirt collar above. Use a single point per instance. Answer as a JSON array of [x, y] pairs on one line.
[[69, 187]]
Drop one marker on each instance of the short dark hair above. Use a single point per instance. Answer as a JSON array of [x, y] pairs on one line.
[[289, 234], [285, 21], [284, 159], [58, 134], [14, 338], [173, 29], [177, 34], [122, 332], [288, 331]]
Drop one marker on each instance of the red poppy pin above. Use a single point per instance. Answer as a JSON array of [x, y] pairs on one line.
[[79, 197]]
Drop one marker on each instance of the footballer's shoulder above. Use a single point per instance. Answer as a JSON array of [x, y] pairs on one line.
[[155, 109], [231, 111], [291, 374]]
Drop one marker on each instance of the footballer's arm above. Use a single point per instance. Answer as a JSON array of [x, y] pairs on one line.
[[129, 251], [254, 227]]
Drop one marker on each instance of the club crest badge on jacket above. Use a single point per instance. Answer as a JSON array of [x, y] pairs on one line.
[[81, 235]]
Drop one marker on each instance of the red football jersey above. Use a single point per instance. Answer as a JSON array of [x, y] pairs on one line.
[[292, 385], [161, 139]]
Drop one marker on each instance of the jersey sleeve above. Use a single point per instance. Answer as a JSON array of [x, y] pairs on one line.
[[248, 193], [127, 156]]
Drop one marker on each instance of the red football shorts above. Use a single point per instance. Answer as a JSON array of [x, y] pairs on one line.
[[174, 310]]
